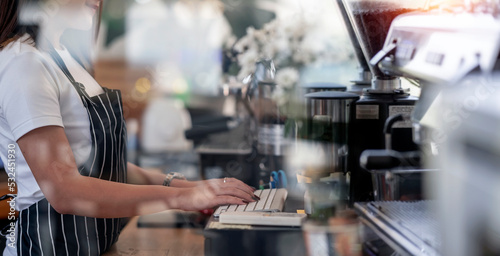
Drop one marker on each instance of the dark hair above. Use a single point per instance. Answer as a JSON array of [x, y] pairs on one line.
[[10, 27]]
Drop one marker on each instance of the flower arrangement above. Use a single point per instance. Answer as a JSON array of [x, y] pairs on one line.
[[292, 44]]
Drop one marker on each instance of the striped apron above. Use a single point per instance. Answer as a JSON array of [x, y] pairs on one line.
[[43, 231]]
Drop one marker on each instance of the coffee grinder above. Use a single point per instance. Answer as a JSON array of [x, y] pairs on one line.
[[370, 21]]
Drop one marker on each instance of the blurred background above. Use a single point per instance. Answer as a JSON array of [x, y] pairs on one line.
[[181, 62]]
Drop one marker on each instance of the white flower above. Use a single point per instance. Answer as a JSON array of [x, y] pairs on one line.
[[313, 44], [250, 31], [287, 77], [272, 26], [293, 42], [294, 26], [248, 58], [269, 51], [279, 96], [230, 41], [281, 45], [244, 43], [260, 37], [303, 57], [245, 71]]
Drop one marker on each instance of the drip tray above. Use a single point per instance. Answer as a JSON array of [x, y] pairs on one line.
[[410, 228]]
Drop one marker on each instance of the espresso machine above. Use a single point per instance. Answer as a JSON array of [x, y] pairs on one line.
[[455, 56], [454, 53]]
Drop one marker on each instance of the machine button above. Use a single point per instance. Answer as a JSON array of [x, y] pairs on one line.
[[434, 58]]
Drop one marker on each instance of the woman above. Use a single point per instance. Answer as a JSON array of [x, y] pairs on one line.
[[67, 137]]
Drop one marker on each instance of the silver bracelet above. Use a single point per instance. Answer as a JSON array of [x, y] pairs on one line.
[[171, 176]]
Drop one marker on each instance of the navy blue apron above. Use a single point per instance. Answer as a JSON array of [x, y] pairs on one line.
[[43, 231]]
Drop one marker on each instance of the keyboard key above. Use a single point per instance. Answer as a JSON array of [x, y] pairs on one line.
[[250, 206], [241, 207], [232, 208], [270, 200], [220, 209], [279, 199], [258, 192], [263, 198]]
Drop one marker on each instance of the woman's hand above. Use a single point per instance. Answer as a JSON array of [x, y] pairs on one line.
[[210, 193]]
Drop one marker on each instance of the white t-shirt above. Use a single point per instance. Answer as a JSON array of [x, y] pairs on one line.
[[34, 93]]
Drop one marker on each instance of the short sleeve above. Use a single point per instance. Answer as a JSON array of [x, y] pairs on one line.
[[29, 95]]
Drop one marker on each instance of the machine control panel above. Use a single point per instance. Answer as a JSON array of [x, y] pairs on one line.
[[405, 51], [441, 47], [435, 58]]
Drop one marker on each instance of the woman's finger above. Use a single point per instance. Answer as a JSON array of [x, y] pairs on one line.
[[239, 184], [219, 184], [223, 200], [233, 191]]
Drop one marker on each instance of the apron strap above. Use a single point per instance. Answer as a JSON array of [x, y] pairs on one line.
[[55, 56], [80, 88], [7, 196]]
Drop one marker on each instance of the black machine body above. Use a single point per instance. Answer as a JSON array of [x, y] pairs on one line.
[[368, 117]]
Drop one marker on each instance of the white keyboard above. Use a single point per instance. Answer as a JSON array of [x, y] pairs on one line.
[[263, 218], [271, 200]]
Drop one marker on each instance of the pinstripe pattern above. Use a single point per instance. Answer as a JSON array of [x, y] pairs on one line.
[[64, 236], [43, 231]]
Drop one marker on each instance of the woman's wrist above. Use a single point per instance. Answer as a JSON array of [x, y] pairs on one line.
[[174, 199], [182, 183]]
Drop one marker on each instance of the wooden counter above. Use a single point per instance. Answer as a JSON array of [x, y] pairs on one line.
[[158, 241]]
